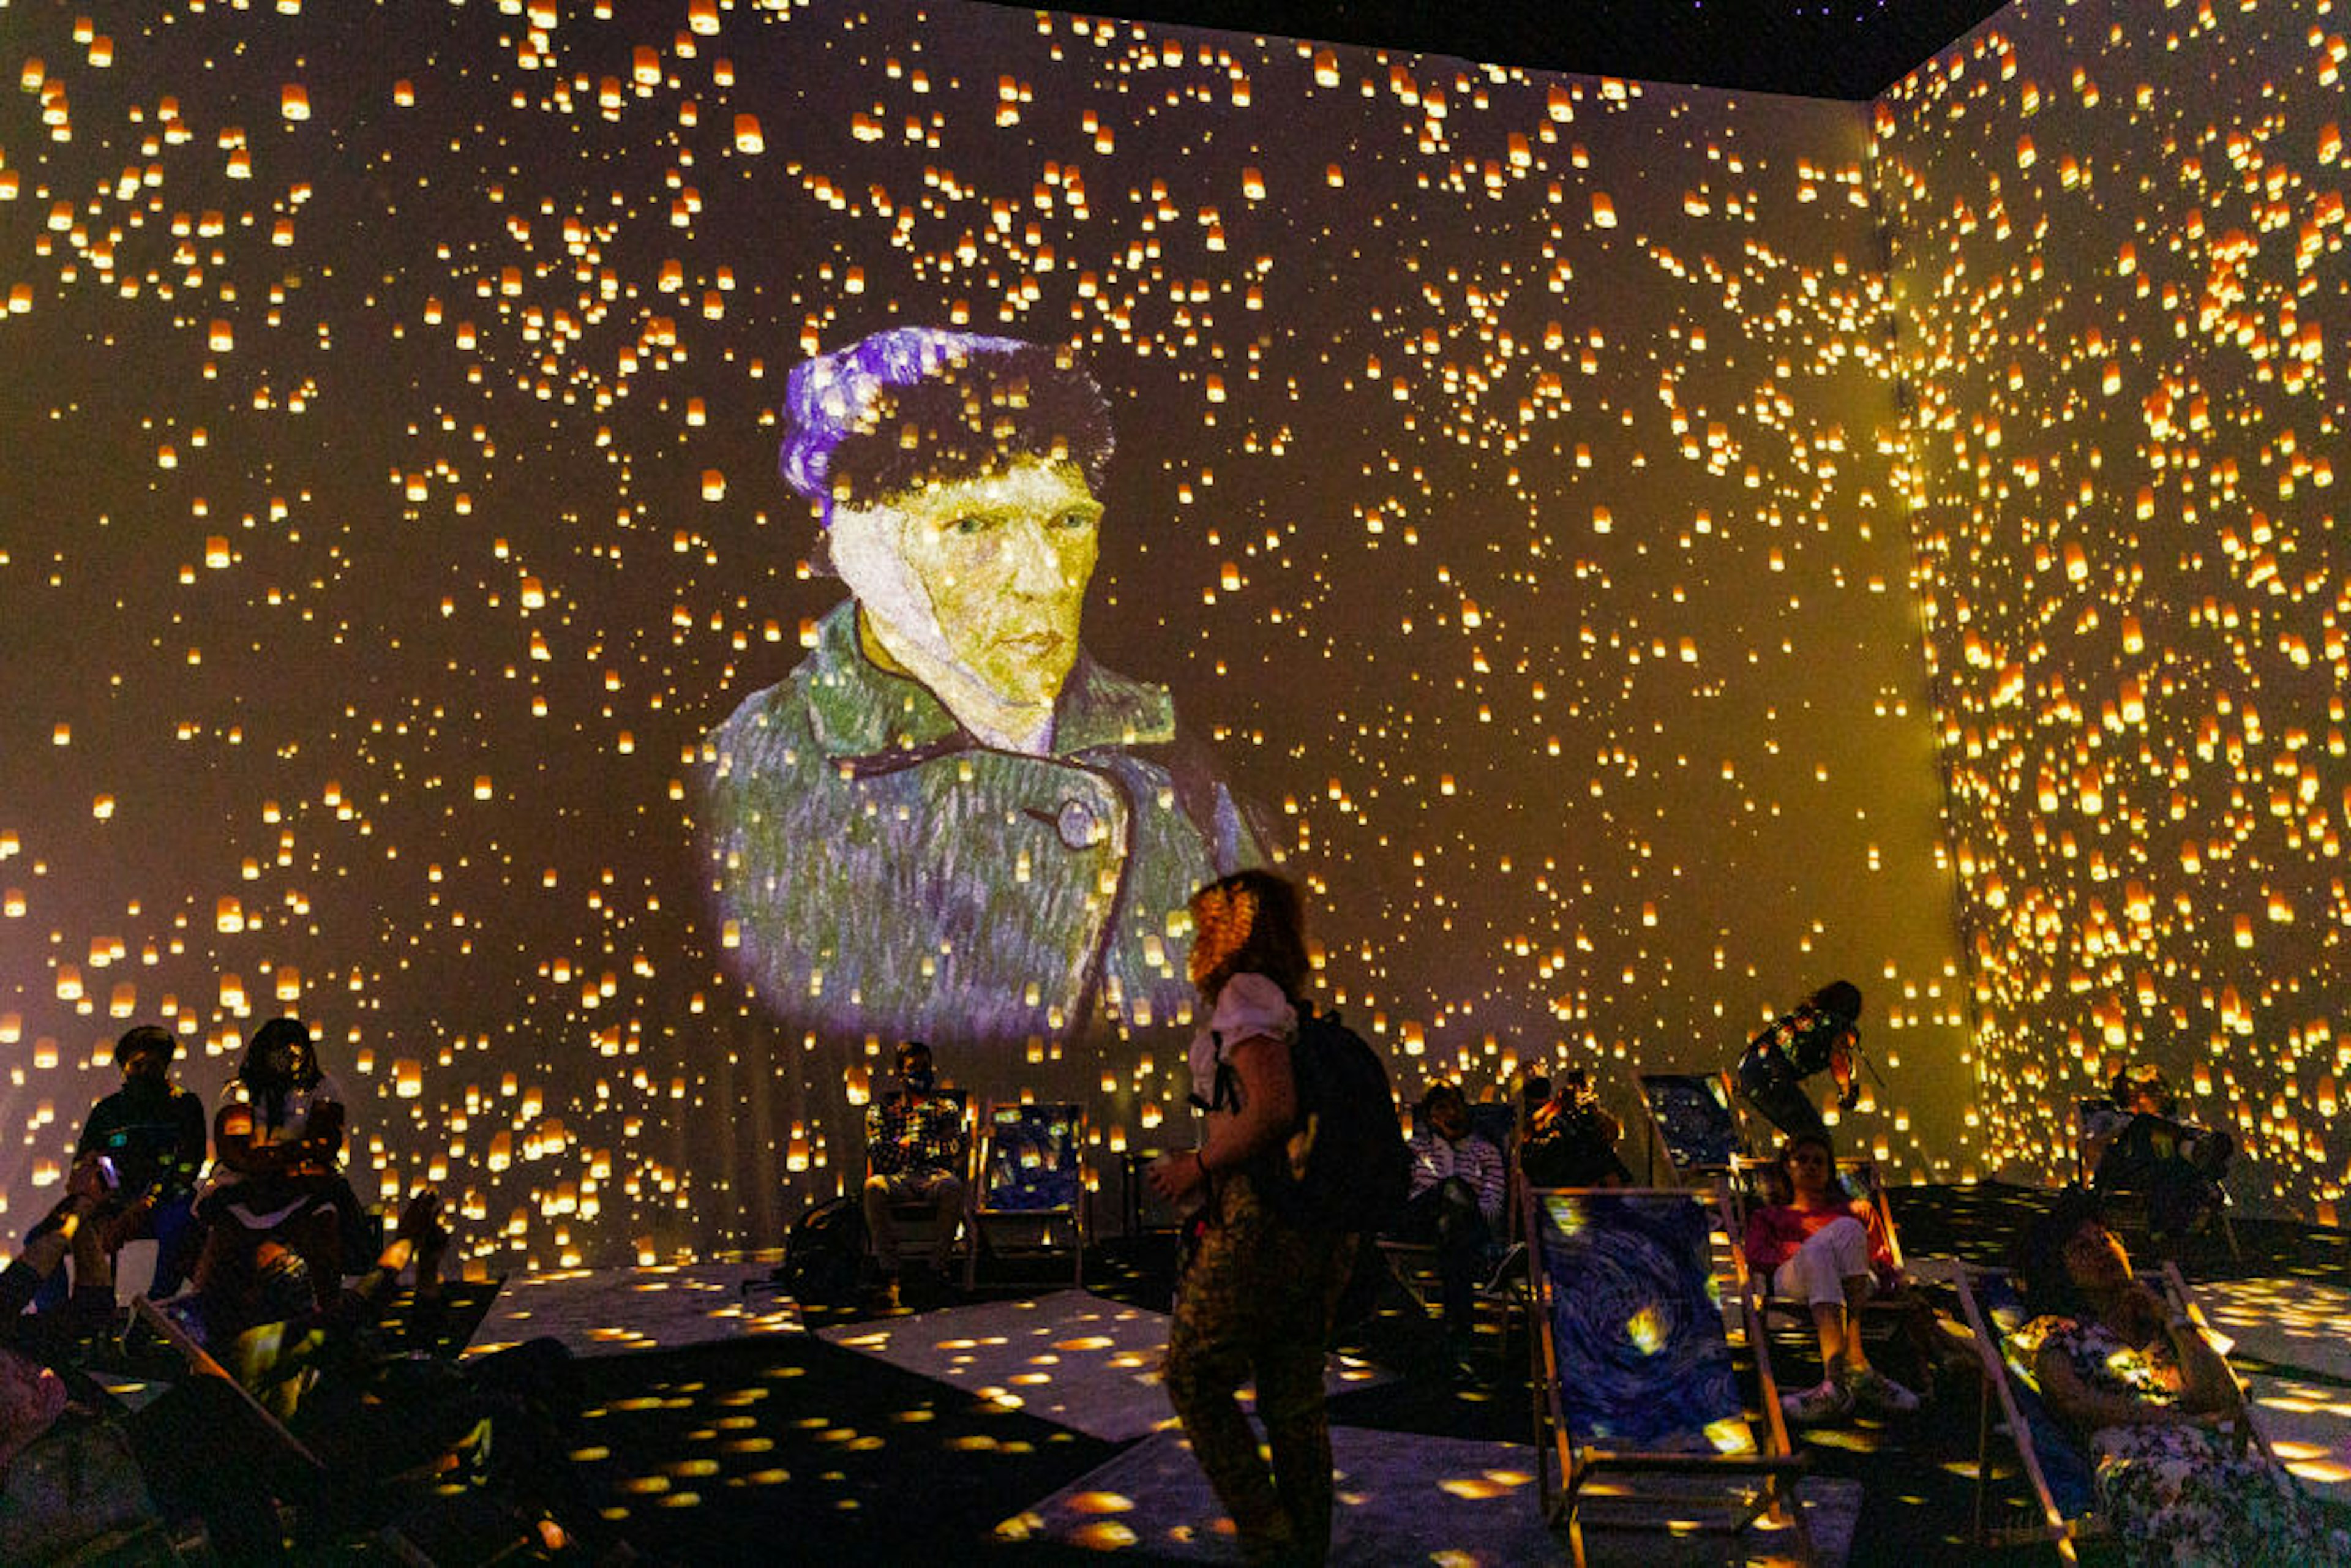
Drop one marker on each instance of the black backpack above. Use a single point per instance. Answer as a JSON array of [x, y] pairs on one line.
[[1346, 1166], [823, 1252]]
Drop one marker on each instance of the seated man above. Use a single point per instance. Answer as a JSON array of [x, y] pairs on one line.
[[153, 1131], [1571, 1139], [2140, 1146], [1456, 1202], [915, 1148], [377, 1410]]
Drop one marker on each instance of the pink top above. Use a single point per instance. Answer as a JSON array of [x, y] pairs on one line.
[[1775, 1232]]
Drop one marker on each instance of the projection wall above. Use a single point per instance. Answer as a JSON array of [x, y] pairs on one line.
[[1508, 494], [2118, 234]]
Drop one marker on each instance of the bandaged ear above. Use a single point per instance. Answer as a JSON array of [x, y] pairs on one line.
[[1221, 920]]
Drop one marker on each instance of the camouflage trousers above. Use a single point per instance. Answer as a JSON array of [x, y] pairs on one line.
[[1254, 1301]]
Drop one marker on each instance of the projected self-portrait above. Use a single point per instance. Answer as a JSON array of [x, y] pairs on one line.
[[948, 822]]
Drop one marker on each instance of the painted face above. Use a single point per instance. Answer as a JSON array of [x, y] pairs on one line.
[[1004, 559]]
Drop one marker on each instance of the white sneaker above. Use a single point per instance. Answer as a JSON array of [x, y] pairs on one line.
[[1874, 1391], [1824, 1402]]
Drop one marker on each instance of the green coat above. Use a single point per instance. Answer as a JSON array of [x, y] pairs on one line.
[[879, 872]]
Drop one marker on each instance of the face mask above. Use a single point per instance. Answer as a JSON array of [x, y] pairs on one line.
[[919, 1080]]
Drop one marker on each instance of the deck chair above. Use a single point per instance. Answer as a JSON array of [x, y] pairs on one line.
[[2055, 1465], [1862, 1182], [1632, 1370], [1029, 1201], [1692, 1114], [181, 1434], [2098, 1124]]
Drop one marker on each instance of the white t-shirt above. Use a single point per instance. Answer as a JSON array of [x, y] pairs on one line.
[[1248, 1005]]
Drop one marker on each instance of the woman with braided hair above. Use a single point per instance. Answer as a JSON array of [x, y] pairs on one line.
[[1256, 1293]]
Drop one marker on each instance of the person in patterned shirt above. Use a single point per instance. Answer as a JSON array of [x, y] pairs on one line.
[[915, 1144], [1456, 1203]]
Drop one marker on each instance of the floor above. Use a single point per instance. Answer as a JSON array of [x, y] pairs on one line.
[[722, 1420]]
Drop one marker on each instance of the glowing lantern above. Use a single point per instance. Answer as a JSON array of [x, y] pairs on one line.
[[747, 137], [294, 102]]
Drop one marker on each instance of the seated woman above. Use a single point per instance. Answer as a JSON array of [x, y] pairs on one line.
[[1818, 1247], [278, 1143], [2142, 1389]]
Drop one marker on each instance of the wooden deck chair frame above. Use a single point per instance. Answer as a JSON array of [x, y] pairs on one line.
[[1773, 1468], [201, 1364], [1697, 1172], [979, 1214], [2056, 1528]]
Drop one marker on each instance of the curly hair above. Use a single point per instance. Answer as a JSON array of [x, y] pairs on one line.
[[1249, 923]]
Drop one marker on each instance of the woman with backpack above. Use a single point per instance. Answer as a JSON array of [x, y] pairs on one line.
[[1257, 1290]]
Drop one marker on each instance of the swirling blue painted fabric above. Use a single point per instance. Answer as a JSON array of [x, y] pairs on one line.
[[1032, 1163], [1644, 1360]]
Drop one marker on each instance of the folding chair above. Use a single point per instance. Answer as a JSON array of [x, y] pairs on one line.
[[1031, 1188], [1881, 1316], [1633, 1369], [1693, 1112], [2097, 1123], [2058, 1469]]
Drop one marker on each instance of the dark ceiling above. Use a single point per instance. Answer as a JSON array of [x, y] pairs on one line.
[[1837, 48]]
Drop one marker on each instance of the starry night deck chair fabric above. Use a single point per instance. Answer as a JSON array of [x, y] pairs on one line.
[[1633, 1369], [1691, 1113], [1030, 1203]]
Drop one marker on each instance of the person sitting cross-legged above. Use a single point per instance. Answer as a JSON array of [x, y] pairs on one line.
[[915, 1144], [1454, 1202], [1822, 1249]]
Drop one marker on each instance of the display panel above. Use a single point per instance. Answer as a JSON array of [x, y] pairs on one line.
[[1504, 493], [2118, 235]]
